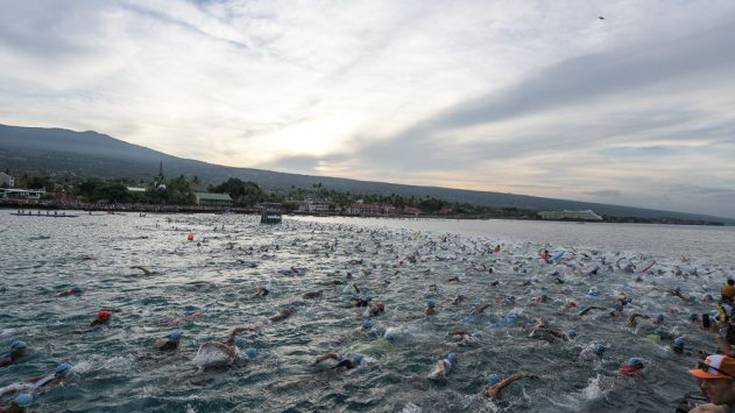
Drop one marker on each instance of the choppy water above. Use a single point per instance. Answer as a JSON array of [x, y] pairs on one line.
[[117, 368]]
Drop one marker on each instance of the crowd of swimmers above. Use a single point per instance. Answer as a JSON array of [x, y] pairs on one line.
[[714, 372]]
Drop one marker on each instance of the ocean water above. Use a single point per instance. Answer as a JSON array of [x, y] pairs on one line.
[[403, 263]]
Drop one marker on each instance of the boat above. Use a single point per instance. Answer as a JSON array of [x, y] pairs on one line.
[[270, 213]]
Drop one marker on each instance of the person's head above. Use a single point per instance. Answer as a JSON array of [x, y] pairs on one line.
[[358, 358], [493, 378], [598, 348], [62, 370], [452, 358], [174, 336], [367, 324], [18, 347], [103, 315], [730, 282], [635, 362], [430, 303], [251, 352], [23, 400], [716, 377], [678, 344]]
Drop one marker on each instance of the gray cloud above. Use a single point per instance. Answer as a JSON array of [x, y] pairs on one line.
[[580, 80], [605, 193]]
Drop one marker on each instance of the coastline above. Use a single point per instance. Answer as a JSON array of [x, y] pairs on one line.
[[195, 209]]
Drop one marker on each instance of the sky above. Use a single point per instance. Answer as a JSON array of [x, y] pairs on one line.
[[530, 97]]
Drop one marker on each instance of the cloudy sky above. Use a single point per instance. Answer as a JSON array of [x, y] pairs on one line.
[[540, 98]]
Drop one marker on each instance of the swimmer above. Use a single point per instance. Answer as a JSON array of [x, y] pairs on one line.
[[594, 351], [376, 309], [361, 301], [633, 366], [262, 292], [541, 299], [443, 367], [462, 338], [543, 332], [19, 404], [18, 349], [284, 313], [171, 342], [586, 310], [342, 361], [493, 389], [69, 292], [458, 299], [453, 279], [145, 270], [365, 328], [430, 308], [312, 295], [227, 349], [632, 320], [676, 292], [479, 309], [60, 373], [103, 317]]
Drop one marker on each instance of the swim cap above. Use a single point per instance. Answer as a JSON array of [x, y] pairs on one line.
[[23, 399], [593, 292], [635, 362], [678, 343], [358, 359], [452, 358], [693, 316], [390, 335], [175, 335], [493, 378], [62, 369], [598, 348], [660, 318], [367, 324], [571, 334], [251, 353], [18, 345], [103, 314], [430, 303]]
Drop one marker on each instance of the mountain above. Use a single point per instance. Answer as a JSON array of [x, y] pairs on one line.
[[43, 150]]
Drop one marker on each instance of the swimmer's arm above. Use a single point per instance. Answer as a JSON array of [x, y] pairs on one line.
[[494, 390], [324, 357], [480, 309], [708, 408], [234, 332], [145, 270]]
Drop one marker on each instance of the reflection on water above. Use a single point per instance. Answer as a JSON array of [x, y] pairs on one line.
[[209, 285]]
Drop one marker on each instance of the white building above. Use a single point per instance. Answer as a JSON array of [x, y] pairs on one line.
[[6, 181], [583, 215], [6, 193], [316, 207]]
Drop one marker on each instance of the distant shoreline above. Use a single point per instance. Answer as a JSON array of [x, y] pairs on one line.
[[192, 209]]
